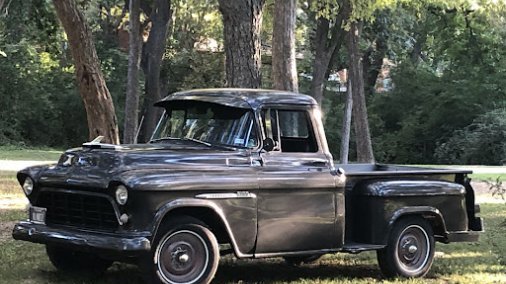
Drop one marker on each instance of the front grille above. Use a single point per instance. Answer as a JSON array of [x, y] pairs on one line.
[[78, 210]]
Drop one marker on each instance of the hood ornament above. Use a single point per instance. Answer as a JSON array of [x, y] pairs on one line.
[[97, 140], [97, 143]]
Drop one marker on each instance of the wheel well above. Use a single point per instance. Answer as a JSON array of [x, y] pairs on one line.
[[206, 215], [435, 221]]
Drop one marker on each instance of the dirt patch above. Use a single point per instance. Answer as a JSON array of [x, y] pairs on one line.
[[482, 193], [13, 202], [6, 230]]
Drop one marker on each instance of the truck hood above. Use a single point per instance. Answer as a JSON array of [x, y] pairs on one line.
[[98, 166]]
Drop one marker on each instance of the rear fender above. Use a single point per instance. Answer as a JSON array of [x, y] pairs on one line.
[[431, 214]]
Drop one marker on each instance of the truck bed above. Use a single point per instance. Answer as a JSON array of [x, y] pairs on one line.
[[386, 170]]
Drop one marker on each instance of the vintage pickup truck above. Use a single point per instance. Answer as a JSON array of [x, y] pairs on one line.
[[248, 171]]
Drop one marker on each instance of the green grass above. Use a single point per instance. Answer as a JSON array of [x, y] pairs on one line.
[[482, 262], [488, 177], [29, 154]]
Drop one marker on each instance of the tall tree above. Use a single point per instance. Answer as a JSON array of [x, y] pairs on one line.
[[329, 38], [92, 87], [152, 53], [284, 65], [360, 120], [134, 61], [242, 21]]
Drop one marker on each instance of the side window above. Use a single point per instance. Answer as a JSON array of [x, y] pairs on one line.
[[291, 130]]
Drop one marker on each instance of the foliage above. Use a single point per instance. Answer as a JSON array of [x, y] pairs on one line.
[[457, 79], [448, 65], [481, 142]]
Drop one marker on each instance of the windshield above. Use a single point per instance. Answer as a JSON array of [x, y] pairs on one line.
[[207, 122]]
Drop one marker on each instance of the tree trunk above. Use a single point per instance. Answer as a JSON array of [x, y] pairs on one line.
[[134, 62], [284, 65], [373, 63], [346, 129], [326, 48], [152, 57], [242, 21], [360, 121], [92, 88]]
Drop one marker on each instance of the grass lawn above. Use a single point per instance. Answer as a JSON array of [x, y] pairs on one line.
[[488, 177], [28, 154], [483, 262]]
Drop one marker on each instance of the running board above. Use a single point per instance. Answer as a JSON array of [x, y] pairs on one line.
[[358, 247]]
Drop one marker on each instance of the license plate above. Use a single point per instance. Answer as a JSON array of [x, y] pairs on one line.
[[38, 215]]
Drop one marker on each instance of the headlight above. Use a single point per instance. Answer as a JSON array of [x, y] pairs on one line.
[[28, 185], [121, 195]]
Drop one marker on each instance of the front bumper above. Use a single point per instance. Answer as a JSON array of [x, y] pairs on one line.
[[124, 244]]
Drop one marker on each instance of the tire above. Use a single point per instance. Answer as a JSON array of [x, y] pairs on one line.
[[301, 259], [68, 260], [184, 253], [410, 249]]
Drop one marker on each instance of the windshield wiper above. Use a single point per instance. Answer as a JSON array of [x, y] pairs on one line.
[[197, 141], [225, 147], [163, 139], [221, 146]]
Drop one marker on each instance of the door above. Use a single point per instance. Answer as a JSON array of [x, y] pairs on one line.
[[297, 193]]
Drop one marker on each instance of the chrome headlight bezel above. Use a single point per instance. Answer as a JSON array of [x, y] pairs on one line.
[[28, 185], [121, 194]]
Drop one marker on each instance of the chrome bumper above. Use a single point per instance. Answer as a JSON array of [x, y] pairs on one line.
[[37, 233]]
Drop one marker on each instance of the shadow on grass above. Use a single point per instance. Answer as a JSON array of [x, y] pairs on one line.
[[239, 271], [265, 271], [118, 273]]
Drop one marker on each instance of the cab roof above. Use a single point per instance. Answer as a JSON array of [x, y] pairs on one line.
[[241, 98]]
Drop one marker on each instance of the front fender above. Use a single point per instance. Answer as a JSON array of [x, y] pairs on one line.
[[240, 243]]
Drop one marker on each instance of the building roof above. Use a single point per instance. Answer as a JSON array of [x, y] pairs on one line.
[[242, 98]]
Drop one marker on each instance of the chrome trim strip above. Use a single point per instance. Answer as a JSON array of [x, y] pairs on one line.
[[227, 195]]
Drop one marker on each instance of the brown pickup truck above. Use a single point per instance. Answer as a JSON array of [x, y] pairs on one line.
[[247, 170]]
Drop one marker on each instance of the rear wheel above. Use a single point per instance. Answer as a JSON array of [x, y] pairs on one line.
[[410, 249], [68, 260], [183, 253]]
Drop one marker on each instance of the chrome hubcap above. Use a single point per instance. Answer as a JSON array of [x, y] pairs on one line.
[[412, 249], [182, 257]]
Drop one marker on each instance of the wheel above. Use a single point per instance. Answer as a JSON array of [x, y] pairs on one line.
[[68, 260], [410, 249], [183, 253], [301, 259]]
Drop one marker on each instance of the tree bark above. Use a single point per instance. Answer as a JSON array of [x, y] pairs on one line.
[[284, 65], [134, 62], [373, 63], [346, 128], [242, 21], [92, 87], [152, 54], [326, 48], [360, 120]]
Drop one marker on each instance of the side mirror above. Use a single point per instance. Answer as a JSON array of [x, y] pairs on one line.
[[268, 144]]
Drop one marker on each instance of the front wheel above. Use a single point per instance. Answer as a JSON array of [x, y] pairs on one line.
[[410, 249], [186, 253]]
